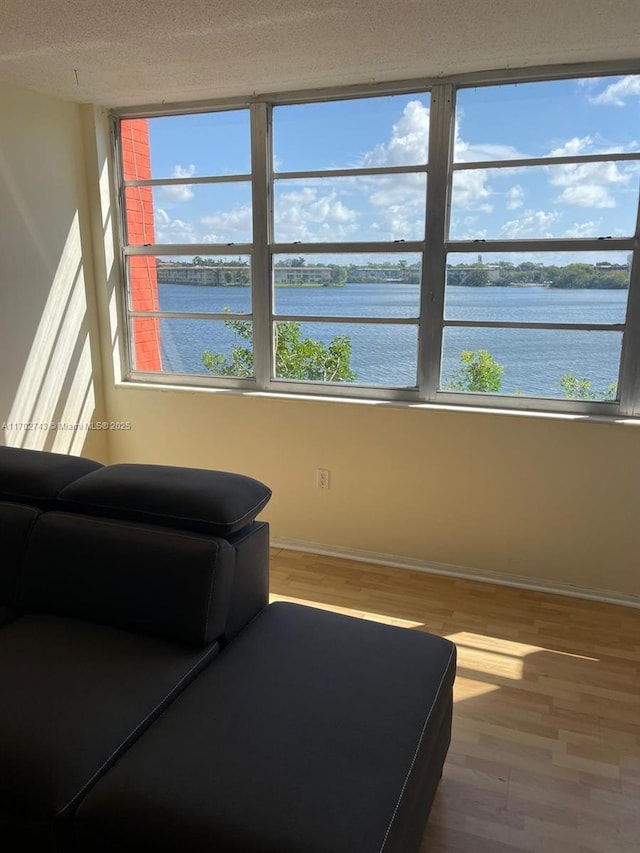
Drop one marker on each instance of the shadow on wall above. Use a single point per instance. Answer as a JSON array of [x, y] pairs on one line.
[[55, 401]]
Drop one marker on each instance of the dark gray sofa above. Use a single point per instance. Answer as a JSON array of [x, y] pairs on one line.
[[151, 700]]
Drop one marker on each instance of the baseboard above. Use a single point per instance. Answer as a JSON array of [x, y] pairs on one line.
[[463, 572]]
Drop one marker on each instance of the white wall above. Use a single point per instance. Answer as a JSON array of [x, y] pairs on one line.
[[50, 366]]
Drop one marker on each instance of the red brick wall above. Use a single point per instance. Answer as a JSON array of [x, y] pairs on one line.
[[143, 279]]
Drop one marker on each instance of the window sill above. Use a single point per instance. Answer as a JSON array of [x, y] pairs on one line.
[[436, 407]]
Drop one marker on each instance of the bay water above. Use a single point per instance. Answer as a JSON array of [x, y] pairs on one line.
[[534, 361]]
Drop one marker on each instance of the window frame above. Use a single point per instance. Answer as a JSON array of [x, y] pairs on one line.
[[434, 248]]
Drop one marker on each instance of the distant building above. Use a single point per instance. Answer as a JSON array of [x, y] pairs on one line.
[[220, 274], [381, 273], [606, 267], [457, 275], [301, 275]]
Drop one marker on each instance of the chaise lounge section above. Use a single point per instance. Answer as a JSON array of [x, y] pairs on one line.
[[153, 700]]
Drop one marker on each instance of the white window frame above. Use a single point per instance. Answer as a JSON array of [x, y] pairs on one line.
[[433, 249]]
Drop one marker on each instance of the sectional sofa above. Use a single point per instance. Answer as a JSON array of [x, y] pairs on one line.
[[152, 699]]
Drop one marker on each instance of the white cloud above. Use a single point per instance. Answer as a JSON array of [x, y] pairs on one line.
[[229, 226], [515, 197], [387, 190], [233, 226], [170, 230], [468, 228], [311, 216], [470, 190], [184, 171], [588, 195], [179, 192], [576, 145], [532, 224], [583, 229], [408, 143], [616, 94], [472, 152], [398, 222], [604, 174], [587, 184], [398, 200]]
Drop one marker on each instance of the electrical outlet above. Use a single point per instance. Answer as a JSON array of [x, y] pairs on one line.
[[322, 478]]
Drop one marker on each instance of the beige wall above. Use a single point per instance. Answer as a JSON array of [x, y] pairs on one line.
[[49, 365], [553, 499]]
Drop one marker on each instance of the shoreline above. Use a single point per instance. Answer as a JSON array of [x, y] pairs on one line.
[[314, 285]]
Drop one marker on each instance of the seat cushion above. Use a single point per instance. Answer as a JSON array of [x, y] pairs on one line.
[[36, 477], [73, 696], [310, 733], [214, 502]]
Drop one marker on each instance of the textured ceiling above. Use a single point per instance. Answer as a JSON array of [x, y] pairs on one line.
[[115, 52]]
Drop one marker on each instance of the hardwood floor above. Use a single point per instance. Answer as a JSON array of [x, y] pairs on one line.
[[545, 753]]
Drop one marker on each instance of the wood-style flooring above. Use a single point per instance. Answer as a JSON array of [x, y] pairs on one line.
[[545, 753]]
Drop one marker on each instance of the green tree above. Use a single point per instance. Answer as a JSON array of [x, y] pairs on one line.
[[477, 277], [338, 274], [296, 357], [478, 371], [581, 389]]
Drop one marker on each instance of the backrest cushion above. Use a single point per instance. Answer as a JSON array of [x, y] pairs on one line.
[[156, 581], [35, 476], [16, 522], [215, 502]]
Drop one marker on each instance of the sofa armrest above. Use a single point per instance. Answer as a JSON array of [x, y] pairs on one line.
[[250, 588]]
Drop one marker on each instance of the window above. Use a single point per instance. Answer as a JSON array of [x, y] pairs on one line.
[[457, 243]]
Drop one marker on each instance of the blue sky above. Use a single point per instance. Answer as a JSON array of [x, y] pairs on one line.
[[492, 123]]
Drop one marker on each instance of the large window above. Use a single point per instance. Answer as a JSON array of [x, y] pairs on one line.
[[457, 243]]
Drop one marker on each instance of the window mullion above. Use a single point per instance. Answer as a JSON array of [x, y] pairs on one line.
[[260, 262], [434, 259], [630, 356]]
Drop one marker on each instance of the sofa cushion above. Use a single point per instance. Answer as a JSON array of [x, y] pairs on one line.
[[74, 695], [36, 476], [310, 732], [16, 522], [168, 583], [215, 502]]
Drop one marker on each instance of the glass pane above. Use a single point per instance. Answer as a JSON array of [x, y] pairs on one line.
[[532, 362], [527, 287], [189, 213], [569, 200], [358, 133], [332, 210], [347, 285], [201, 145], [360, 354], [190, 284], [203, 347], [549, 119]]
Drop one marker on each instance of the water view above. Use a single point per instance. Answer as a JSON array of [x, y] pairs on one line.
[[534, 361]]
